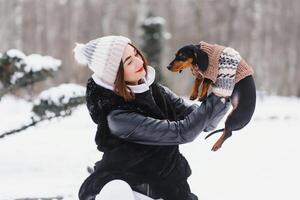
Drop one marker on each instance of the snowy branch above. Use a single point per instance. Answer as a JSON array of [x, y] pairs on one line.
[[18, 70], [55, 102]]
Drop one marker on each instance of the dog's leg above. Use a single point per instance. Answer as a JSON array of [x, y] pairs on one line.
[[205, 86], [226, 134], [228, 129], [243, 100], [196, 85]]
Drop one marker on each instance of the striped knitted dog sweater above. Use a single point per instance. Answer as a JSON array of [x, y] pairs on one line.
[[228, 63]]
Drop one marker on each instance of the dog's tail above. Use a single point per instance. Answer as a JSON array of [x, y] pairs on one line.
[[216, 131]]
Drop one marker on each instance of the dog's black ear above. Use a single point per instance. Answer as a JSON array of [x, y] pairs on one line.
[[200, 58]]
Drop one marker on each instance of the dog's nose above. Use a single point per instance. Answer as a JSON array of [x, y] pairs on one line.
[[169, 67]]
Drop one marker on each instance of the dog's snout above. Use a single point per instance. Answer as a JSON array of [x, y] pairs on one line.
[[169, 67]]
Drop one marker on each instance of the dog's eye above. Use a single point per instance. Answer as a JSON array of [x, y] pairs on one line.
[[182, 57]]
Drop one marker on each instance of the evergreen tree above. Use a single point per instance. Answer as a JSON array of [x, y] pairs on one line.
[[18, 71], [152, 38]]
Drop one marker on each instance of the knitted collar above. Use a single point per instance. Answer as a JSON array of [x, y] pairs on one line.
[[140, 88], [197, 72], [214, 52]]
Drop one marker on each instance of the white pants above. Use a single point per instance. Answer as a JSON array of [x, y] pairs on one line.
[[119, 189]]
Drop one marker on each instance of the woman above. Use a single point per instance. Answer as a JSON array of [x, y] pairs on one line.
[[140, 123]]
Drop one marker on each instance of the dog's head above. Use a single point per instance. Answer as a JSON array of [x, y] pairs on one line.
[[187, 56]]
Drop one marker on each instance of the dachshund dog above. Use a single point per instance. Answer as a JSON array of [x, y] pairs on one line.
[[243, 98]]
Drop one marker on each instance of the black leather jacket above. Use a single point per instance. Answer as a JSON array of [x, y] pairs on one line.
[[142, 129], [157, 117]]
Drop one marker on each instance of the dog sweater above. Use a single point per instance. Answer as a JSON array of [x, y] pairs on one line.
[[225, 67]]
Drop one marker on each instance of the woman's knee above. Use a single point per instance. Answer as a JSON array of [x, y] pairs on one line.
[[116, 189]]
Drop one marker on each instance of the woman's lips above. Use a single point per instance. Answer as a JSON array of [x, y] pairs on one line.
[[141, 69]]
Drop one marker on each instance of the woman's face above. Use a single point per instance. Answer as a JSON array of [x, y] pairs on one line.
[[133, 65]]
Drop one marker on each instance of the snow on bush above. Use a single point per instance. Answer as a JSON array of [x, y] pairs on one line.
[[59, 100], [36, 62], [33, 65], [15, 53], [154, 20], [61, 94]]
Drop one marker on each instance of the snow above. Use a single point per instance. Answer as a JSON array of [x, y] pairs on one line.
[[154, 20], [32, 63], [17, 75], [167, 35], [61, 94], [15, 53], [258, 162], [36, 62]]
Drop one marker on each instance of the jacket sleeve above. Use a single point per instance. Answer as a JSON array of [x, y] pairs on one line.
[[181, 106], [214, 122], [142, 129], [183, 109]]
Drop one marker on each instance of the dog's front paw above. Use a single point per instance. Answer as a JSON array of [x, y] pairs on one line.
[[202, 98], [193, 97]]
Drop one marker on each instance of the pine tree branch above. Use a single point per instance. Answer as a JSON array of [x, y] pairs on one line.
[[33, 123], [42, 198], [7, 90], [25, 82]]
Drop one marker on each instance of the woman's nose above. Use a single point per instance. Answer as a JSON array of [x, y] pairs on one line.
[[139, 62]]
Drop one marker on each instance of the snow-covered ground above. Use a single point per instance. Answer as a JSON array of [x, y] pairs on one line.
[[260, 162]]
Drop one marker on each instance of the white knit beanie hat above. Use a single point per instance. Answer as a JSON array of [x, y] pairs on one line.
[[103, 56]]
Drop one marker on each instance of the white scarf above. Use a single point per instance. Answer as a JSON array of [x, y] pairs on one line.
[[140, 88]]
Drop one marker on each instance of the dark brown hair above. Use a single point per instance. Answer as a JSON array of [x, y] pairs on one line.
[[121, 87]]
